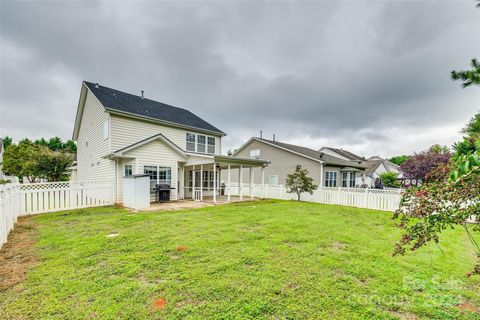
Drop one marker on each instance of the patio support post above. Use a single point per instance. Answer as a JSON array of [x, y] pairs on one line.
[[193, 183], [201, 182], [214, 183], [240, 179], [251, 183], [228, 186], [182, 183], [263, 182], [321, 175]]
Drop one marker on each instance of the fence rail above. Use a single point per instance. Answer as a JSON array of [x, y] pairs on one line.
[[23, 199], [378, 199]]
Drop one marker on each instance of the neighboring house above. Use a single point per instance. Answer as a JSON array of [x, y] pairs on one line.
[[120, 134], [325, 168], [376, 165]]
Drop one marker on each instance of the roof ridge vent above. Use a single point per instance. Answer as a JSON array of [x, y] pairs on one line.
[[142, 94]]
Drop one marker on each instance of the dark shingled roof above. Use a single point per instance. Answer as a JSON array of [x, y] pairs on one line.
[[125, 102], [329, 160], [347, 154]]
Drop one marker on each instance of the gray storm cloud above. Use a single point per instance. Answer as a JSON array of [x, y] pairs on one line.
[[371, 76]]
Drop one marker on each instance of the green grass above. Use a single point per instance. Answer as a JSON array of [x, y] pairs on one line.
[[259, 260]]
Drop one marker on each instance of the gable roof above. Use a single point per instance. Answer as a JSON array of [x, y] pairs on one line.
[[131, 105], [307, 153], [344, 153], [140, 143]]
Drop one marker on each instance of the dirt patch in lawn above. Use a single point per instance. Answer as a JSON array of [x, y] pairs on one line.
[[17, 255]]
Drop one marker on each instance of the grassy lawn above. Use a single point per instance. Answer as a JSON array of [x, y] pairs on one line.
[[258, 260]]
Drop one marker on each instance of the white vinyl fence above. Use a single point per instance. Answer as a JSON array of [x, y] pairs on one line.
[[388, 200], [24, 199]]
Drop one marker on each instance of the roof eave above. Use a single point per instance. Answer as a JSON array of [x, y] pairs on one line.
[[169, 123]]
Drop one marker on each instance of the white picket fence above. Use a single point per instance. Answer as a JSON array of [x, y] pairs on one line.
[[24, 199], [378, 199]]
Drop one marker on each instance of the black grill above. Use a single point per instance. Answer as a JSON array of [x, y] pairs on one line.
[[162, 192]]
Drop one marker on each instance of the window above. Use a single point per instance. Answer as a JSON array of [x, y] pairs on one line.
[[105, 129], [273, 180], [352, 179], [201, 144], [344, 179], [164, 175], [330, 179], [211, 145], [151, 171], [255, 154], [128, 170], [190, 142]]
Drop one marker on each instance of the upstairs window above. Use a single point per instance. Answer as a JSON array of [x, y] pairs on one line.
[[211, 145], [190, 142], [273, 179], [201, 144], [255, 154], [106, 129]]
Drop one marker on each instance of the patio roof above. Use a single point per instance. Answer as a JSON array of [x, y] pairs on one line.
[[234, 162]]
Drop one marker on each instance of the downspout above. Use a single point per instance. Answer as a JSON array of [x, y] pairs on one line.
[[116, 181]]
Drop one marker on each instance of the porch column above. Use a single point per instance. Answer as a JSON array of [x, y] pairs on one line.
[[263, 182], [214, 183], [251, 183], [228, 184], [201, 182], [193, 183], [182, 183], [240, 179], [321, 175]]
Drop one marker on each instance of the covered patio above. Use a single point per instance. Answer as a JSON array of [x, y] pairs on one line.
[[202, 178]]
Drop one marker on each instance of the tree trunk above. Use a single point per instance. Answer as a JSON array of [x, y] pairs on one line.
[[298, 196]]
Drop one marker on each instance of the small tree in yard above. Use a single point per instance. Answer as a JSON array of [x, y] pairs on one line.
[[53, 165], [389, 179], [299, 182]]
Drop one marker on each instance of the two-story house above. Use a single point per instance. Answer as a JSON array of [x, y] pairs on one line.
[[120, 134]]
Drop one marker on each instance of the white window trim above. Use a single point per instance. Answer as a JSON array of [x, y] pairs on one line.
[[270, 179], [207, 145], [327, 179], [255, 154], [125, 169], [106, 129]]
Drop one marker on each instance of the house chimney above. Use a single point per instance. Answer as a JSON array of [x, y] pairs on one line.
[[274, 137], [142, 94], [261, 134]]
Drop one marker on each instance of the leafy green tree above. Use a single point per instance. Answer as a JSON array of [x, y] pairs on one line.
[[7, 141], [70, 147], [22, 160], [299, 182], [55, 144], [450, 196], [398, 160], [389, 179], [53, 165]]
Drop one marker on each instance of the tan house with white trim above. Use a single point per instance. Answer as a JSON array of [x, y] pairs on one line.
[[120, 134], [326, 170]]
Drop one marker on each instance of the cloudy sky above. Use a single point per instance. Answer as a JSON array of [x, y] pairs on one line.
[[372, 77]]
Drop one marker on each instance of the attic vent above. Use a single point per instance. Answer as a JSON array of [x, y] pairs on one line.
[[146, 111], [97, 86]]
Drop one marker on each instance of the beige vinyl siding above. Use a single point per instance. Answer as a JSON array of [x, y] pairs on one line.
[[155, 153], [90, 162], [282, 163], [126, 131]]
